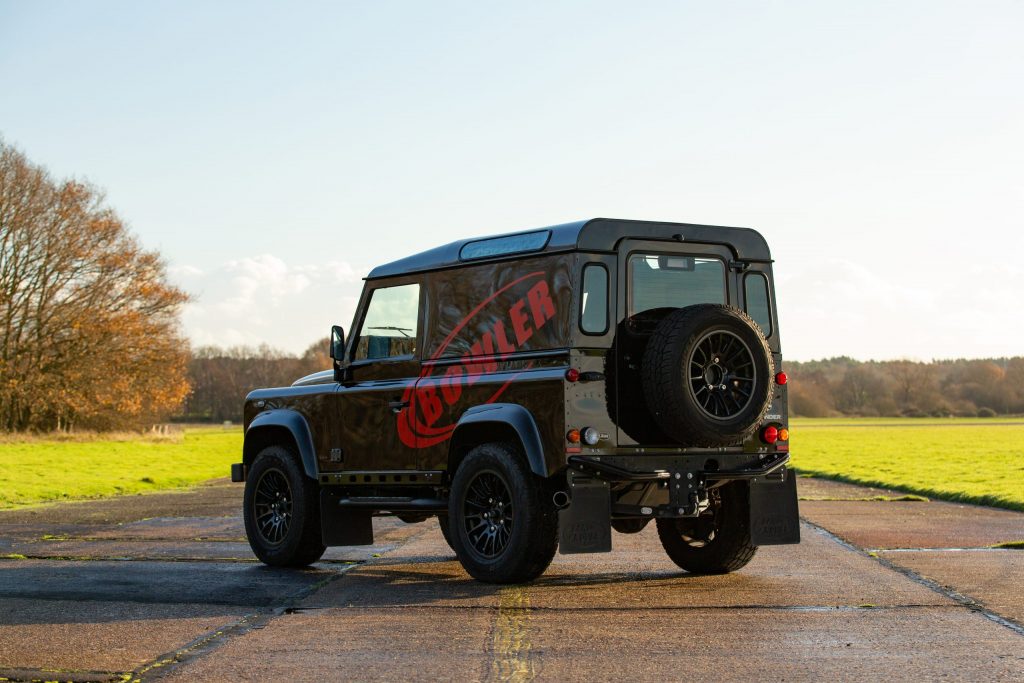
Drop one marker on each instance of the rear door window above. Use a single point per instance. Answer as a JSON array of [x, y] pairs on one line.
[[674, 281]]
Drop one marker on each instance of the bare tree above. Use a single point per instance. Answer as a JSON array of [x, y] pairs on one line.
[[88, 323]]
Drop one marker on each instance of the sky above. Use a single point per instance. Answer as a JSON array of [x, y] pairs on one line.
[[275, 152]]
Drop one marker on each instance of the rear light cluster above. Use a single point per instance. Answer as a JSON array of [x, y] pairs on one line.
[[587, 435], [771, 434]]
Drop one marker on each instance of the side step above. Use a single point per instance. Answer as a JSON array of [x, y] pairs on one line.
[[348, 520]]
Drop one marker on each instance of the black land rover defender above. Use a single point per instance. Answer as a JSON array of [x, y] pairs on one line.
[[534, 391]]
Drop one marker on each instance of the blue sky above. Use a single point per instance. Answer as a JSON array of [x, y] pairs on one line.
[[275, 152]]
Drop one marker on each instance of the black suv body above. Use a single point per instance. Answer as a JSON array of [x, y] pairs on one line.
[[536, 390]]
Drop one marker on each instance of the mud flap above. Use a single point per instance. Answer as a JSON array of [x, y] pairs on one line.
[[586, 525], [774, 516], [343, 526]]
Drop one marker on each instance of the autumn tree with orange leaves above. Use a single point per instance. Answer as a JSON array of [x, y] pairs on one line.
[[89, 334]]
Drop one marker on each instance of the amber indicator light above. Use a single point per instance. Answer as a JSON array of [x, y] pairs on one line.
[[573, 436]]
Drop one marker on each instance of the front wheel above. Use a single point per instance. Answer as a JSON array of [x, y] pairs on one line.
[[282, 510], [717, 542], [502, 526]]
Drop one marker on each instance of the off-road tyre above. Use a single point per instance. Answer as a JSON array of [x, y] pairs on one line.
[[680, 402], [277, 478], [525, 540], [686, 540]]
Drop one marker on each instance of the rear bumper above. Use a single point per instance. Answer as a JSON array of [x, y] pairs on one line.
[[643, 468], [674, 487]]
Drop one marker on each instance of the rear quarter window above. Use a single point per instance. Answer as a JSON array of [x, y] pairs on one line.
[[594, 302], [755, 293]]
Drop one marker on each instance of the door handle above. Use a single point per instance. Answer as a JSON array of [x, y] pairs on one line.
[[397, 406]]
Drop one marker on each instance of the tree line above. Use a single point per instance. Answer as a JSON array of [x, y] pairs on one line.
[[962, 388], [221, 377]]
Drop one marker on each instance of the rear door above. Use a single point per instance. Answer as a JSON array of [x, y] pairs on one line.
[[654, 277]]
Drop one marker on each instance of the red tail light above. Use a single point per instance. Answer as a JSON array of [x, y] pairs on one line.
[[770, 434], [781, 378], [572, 374]]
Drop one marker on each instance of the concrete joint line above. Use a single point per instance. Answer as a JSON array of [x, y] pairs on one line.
[[959, 598], [160, 667]]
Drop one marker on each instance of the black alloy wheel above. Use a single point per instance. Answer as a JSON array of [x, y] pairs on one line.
[[281, 509], [501, 522], [488, 514], [717, 542], [272, 506], [721, 374], [707, 376]]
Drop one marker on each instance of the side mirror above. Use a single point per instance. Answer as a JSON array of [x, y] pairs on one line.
[[337, 343], [341, 371]]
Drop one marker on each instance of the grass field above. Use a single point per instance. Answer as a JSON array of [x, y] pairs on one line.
[[973, 460], [970, 460], [43, 470]]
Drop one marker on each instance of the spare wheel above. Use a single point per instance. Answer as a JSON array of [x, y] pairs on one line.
[[707, 375]]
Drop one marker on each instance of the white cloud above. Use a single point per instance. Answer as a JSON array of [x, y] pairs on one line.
[[840, 307], [262, 299]]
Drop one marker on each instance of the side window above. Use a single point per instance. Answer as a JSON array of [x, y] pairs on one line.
[[594, 307], [389, 328], [755, 292]]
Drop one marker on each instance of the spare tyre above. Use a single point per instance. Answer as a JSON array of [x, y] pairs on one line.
[[707, 375]]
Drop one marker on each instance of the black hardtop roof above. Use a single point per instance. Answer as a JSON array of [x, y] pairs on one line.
[[595, 234]]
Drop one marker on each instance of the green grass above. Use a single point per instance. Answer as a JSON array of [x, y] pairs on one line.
[[40, 470], [973, 460]]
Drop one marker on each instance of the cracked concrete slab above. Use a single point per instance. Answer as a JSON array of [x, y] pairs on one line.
[[992, 577], [354, 645], [100, 636], [871, 524]]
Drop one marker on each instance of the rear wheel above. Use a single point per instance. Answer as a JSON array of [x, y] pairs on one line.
[[503, 527], [717, 542], [281, 510]]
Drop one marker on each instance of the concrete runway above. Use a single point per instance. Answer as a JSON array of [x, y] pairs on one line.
[[164, 587]]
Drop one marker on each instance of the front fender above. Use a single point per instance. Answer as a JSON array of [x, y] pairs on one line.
[[264, 424], [511, 415]]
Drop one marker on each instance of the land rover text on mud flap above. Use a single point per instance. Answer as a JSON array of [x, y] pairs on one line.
[[534, 391]]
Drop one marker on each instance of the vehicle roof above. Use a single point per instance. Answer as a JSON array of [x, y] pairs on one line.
[[595, 234]]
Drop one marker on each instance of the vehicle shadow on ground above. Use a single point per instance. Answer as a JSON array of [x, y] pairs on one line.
[[49, 592], [429, 580]]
